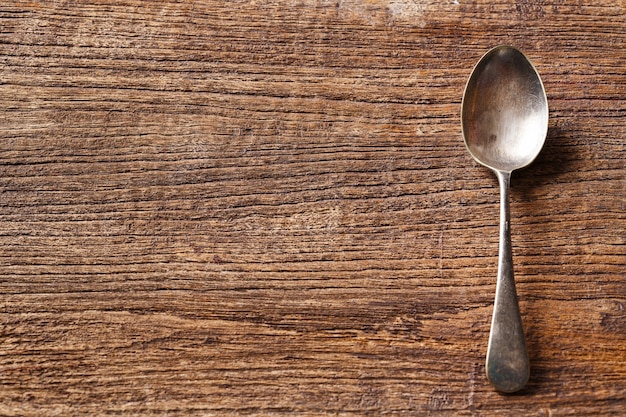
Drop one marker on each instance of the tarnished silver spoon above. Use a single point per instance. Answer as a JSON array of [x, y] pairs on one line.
[[505, 121]]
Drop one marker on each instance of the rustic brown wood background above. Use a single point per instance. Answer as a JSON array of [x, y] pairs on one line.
[[266, 208]]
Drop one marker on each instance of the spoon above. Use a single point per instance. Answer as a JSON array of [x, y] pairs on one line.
[[505, 121]]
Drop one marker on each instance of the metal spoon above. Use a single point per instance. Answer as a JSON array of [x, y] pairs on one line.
[[505, 121]]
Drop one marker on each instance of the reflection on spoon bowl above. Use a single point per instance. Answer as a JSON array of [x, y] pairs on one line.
[[505, 111]]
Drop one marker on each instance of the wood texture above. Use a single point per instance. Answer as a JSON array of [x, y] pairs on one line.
[[266, 208]]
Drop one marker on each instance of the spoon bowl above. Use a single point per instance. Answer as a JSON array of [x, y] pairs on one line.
[[504, 110], [504, 117]]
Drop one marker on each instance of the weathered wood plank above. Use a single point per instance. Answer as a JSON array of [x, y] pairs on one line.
[[265, 208]]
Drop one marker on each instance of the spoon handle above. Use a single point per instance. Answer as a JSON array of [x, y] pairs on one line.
[[507, 365]]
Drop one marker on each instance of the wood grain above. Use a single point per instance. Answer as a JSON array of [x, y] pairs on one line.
[[266, 208]]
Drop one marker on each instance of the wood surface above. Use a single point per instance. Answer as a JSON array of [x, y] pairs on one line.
[[266, 208]]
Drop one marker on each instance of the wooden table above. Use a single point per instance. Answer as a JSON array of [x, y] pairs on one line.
[[266, 208]]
